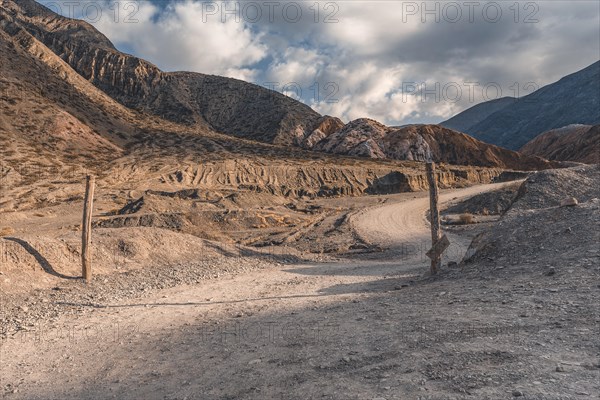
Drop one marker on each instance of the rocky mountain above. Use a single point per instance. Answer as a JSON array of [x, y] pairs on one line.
[[574, 99], [65, 120], [465, 120], [78, 98], [368, 138], [56, 127], [579, 143], [223, 104]]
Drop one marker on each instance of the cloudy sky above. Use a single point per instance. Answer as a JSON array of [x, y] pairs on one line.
[[395, 61]]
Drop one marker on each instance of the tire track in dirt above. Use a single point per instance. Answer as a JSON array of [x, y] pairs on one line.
[[403, 226]]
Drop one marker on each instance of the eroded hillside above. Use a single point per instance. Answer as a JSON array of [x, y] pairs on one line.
[[199, 103], [580, 143]]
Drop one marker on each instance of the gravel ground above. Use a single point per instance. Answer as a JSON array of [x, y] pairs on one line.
[[21, 312], [518, 319]]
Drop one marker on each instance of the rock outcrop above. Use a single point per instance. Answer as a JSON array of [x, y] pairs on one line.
[[295, 178], [368, 138], [324, 127]]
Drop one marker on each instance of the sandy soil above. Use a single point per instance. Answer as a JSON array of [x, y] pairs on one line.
[[363, 329]]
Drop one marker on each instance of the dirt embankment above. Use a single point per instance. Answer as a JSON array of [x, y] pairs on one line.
[[37, 185], [536, 221], [491, 203], [311, 178]]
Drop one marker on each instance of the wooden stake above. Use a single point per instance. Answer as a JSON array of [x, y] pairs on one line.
[[434, 215], [86, 229]]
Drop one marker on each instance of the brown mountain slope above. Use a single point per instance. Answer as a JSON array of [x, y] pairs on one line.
[[369, 138], [579, 143], [66, 120], [226, 105], [99, 103], [55, 126]]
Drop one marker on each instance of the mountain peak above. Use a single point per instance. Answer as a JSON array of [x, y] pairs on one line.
[[574, 99], [223, 104]]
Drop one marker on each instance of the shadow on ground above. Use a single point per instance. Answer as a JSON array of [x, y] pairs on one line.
[[44, 263]]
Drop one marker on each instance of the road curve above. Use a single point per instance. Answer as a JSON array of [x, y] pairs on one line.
[[403, 226]]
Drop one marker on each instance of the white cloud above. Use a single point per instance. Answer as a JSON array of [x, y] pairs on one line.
[[177, 38], [367, 50]]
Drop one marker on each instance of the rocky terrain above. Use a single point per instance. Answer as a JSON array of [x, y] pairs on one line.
[[368, 138], [514, 320], [192, 102], [580, 143], [246, 247], [574, 99], [540, 199]]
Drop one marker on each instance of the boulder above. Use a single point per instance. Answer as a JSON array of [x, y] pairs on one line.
[[569, 202]]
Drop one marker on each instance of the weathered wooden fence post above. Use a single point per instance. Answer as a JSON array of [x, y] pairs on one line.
[[436, 257], [86, 228]]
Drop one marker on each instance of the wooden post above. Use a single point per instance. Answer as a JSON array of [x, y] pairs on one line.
[[434, 215], [86, 229]]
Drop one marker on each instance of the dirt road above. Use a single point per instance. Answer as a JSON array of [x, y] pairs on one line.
[[403, 226], [352, 330]]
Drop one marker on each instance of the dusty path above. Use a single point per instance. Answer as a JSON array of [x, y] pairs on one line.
[[333, 331], [403, 228]]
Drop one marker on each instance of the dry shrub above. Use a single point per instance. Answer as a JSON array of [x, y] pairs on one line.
[[466, 218], [6, 231]]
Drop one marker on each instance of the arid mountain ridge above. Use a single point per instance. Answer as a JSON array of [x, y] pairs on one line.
[[56, 126], [368, 138], [580, 143], [226, 105], [511, 123], [208, 105], [464, 120]]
